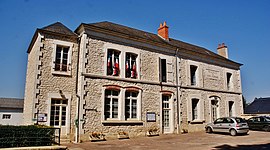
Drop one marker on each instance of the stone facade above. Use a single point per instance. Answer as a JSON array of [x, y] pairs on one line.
[[181, 101]]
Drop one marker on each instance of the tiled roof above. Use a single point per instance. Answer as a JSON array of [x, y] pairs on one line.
[[11, 103], [58, 27], [259, 106], [135, 33]]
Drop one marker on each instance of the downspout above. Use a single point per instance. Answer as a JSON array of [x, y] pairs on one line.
[[177, 88], [77, 120]]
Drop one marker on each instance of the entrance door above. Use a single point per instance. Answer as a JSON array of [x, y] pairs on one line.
[[214, 107], [58, 114], [166, 112]]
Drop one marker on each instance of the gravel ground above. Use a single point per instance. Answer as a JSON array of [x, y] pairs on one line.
[[255, 140]]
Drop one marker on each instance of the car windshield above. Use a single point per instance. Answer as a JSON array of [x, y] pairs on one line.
[[240, 120]]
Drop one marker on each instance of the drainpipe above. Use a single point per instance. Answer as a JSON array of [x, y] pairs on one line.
[[77, 120], [177, 88]]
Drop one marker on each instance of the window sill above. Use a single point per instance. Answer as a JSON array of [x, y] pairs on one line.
[[122, 122], [68, 73]]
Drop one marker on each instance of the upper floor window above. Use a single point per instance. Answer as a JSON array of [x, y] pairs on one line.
[[111, 104], [163, 70], [193, 75], [6, 116], [131, 104], [131, 66], [113, 63], [229, 76], [61, 58]]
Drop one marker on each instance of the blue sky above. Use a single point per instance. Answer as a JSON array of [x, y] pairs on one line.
[[243, 25]]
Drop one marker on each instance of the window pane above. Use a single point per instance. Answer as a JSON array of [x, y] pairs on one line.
[[163, 70], [115, 108], [134, 108], [107, 108], [127, 108], [115, 93]]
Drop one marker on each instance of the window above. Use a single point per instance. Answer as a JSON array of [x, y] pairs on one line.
[[111, 104], [131, 105], [231, 108], [61, 58], [58, 112], [193, 70], [195, 103], [229, 75], [113, 63], [6, 116], [163, 70], [131, 67]]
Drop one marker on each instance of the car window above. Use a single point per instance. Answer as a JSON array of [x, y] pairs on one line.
[[240, 120], [251, 119], [227, 120], [267, 118], [219, 120]]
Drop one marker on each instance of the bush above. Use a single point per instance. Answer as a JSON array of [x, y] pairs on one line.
[[21, 136]]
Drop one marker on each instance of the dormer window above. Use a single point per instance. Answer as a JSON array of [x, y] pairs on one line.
[[131, 66], [113, 63]]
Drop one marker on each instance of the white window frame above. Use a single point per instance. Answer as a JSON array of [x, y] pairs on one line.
[[200, 109], [118, 103], [121, 108], [230, 85], [131, 98], [131, 67], [122, 58], [198, 73], [62, 44], [169, 68]]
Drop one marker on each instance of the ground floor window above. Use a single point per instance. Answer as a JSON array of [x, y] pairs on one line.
[[111, 104], [195, 103], [131, 105]]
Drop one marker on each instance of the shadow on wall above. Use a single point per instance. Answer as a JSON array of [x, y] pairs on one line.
[[243, 147]]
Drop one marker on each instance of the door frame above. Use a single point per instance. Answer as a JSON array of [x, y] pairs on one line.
[[171, 114], [60, 95]]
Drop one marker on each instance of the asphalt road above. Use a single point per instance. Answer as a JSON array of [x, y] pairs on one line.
[[255, 140]]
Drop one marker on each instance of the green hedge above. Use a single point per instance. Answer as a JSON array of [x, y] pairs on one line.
[[21, 136]]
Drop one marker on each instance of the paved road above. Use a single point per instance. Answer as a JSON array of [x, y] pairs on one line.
[[255, 140]]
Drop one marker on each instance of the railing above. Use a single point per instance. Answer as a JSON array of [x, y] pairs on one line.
[[21, 137]]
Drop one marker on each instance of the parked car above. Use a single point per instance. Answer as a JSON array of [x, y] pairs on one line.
[[232, 125], [259, 123]]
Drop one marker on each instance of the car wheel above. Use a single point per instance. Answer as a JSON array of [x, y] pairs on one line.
[[266, 128], [208, 130], [233, 132]]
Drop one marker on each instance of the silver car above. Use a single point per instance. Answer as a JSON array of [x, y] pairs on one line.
[[232, 125]]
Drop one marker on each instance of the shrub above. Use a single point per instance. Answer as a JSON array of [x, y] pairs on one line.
[[21, 136]]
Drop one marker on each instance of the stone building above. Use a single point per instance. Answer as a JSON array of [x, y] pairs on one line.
[[108, 78]]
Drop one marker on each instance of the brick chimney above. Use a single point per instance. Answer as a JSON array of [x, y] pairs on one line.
[[163, 31], [222, 50]]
